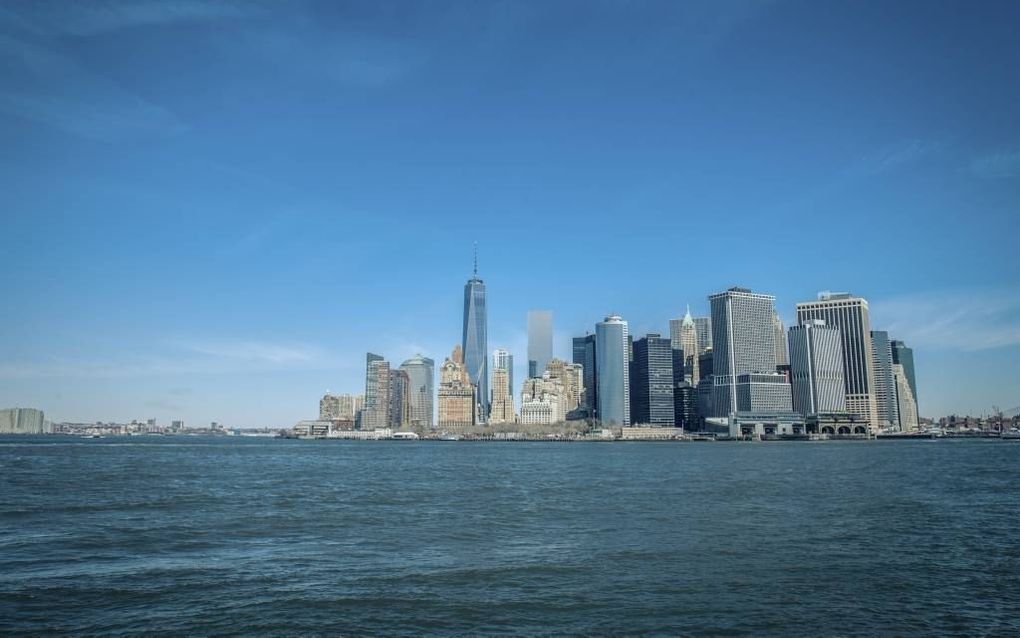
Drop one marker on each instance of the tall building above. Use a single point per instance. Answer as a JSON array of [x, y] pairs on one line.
[[850, 314], [704, 327], [375, 413], [540, 341], [400, 403], [475, 341], [584, 356], [571, 377], [904, 356], [456, 394], [816, 368], [421, 374], [22, 421], [503, 359], [685, 406], [612, 370], [502, 407], [744, 352], [329, 407], [905, 403], [703, 391], [683, 337], [885, 384], [651, 382], [782, 350]]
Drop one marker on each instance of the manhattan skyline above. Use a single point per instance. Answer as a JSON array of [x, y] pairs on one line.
[[224, 239]]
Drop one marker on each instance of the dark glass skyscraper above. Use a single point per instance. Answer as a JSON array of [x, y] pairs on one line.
[[475, 340], [584, 355], [651, 382]]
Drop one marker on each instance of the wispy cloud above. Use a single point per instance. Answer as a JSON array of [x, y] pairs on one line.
[[98, 17], [181, 358], [952, 320], [897, 155], [1002, 165], [45, 86]]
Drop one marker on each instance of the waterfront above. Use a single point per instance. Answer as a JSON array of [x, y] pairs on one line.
[[200, 535]]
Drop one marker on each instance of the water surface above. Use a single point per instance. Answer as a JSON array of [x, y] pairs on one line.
[[202, 536]]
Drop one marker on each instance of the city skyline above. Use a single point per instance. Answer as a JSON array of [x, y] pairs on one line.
[[226, 239]]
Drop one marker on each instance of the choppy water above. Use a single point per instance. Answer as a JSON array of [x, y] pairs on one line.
[[218, 536]]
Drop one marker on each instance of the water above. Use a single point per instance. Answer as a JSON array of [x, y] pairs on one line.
[[226, 536]]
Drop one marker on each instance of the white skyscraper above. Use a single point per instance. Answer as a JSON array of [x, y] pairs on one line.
[[816, 368], [503, 360], [744, 354], [850, 314]]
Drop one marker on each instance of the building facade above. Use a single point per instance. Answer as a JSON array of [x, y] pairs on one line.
[[543, 401], [503, 359], [744, 343], [613, 371], [571, 377], [651, 382], [502, 407], [23, 421], [540, 341], [851, 315], [456, 393], [816, 368]]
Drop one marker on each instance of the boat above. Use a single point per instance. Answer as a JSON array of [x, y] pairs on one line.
[[1011, 435], [449, 436], [405, 436]]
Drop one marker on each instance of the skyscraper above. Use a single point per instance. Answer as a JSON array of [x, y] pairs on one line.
[[375, 413], [905, 403], [475, 342], [502, 409], [850, 314], [904, 356], [885, 383], [816, 368], [782, 351], [683, 337], [584, 355], [421, 373], [612, 370], [503, 359], [400, 405], [744, 353], [540, 344], [651, 382], [704, 327], [456, 394]]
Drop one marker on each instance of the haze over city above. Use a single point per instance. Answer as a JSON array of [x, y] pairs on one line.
[[220, 225]]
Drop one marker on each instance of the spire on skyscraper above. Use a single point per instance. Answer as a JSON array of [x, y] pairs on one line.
[[476, 261]]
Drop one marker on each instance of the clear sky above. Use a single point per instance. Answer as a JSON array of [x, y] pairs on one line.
[[211, 210]]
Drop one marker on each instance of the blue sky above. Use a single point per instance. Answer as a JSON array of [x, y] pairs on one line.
[[211, 210]]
